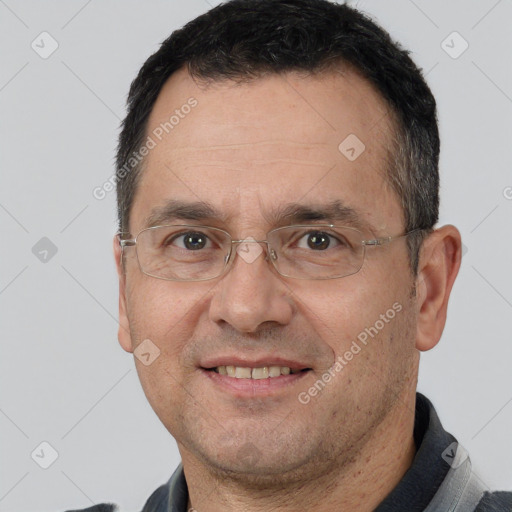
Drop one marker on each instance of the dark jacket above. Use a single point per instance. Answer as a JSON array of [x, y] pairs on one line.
[[439, 480]]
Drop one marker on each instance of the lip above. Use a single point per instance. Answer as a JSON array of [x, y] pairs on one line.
[[250, 388], [253, 362]]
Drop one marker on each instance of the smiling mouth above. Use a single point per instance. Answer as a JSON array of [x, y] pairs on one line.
[[257, 373]]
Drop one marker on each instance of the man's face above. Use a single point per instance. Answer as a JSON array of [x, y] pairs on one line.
[[249, 151]]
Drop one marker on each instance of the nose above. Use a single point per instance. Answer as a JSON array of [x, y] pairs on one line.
[[251, 294]]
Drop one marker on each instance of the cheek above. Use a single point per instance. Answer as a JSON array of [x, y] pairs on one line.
[[372, 338], [355, 310], [163, 312]]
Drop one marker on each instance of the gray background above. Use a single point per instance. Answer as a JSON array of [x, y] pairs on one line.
[[66, 380]]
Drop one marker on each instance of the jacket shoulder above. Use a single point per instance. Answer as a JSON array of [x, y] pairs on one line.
[[100, 507], [500, 501]]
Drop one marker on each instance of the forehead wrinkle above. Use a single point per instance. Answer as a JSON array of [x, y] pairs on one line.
[[243, 145], [295, 152], [237, 156], [228, 165]]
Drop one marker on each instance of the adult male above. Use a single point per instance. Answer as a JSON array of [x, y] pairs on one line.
[[280, 268]]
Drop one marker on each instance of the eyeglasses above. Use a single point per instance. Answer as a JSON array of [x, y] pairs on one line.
[[199, 253]]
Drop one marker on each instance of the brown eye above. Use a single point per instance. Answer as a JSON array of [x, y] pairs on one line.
[[318, 240], [192, 240]]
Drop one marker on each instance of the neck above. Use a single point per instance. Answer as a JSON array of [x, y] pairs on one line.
[[358, 486]]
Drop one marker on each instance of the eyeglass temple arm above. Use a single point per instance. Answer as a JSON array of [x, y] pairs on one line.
[[388, 239], [125, 242], [379, 241]]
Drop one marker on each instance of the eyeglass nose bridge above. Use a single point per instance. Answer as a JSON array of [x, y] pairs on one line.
[[270, 253]]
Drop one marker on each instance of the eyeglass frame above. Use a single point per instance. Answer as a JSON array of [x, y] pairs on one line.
[[228, 261]]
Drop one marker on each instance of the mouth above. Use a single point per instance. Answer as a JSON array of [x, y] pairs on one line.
[[260, 376], [267, 380], [256, 373]]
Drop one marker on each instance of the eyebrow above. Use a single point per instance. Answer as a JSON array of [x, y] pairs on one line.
[[332, 213], [288, 214], [174, 210]]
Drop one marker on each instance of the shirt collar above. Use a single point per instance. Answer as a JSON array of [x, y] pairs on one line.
[[428, 469]]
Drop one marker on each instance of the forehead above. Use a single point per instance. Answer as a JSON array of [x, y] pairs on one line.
[[280, 138]]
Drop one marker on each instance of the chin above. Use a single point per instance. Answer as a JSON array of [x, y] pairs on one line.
[[264, 474], [261, 461]]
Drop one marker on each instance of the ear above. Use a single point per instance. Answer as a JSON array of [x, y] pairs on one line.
[[439, 264], [123, 335]]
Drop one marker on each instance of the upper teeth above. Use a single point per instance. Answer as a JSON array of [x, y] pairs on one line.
[[264, 372]]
